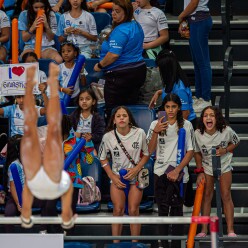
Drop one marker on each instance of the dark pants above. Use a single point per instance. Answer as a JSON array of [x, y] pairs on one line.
[[167, 206], [12, 211], [122, 87]]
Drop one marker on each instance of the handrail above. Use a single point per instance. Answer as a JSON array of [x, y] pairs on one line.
[[228, 68], [225, 17]]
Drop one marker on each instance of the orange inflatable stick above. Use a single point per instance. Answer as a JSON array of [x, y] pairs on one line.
[[196, 212], [108, 5], [38, 37], [15, 41], [24, 4], [1, 3]]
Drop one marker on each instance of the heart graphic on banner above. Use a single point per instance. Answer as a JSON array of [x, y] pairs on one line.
[[18, 70]]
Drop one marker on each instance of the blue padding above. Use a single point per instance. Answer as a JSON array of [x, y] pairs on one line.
[[44, 65], [142, 115], [127, 245], [102, 20], [78, 245], [92, 76], [36, 210]]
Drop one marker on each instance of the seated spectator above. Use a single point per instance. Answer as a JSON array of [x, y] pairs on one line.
[[94, 5], [4, 35], [154, 25], [28, 22], [78, 26], [56, 4]]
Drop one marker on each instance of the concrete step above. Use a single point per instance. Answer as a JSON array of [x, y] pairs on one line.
[[240, 66], [234, 113], [236, 42], [221, 89], [237, 20]]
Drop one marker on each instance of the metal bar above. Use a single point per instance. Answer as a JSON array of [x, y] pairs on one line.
[[103, 220], [217, 173], [70, 238]]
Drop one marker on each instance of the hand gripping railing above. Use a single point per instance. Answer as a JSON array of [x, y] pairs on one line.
[[213, 221]]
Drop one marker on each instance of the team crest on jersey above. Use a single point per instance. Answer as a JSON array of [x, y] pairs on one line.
[[223, 144], [204, 150], [161, 141], [135, 145]]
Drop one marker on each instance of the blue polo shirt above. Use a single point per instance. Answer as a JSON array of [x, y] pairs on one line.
[[126, 40]]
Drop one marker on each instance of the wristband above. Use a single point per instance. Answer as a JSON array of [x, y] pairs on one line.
[[199, 170], [105, 164], [30, 32], [99, 65], [155, 131]]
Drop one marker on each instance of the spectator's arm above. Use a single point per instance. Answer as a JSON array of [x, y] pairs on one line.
[[5, 34], [107, 60], [1, 111], [188, 10], [163, 37]]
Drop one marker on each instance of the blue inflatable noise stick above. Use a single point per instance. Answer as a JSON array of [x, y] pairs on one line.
[[181, 152], [122, 173], [72, 81], [17, 182], [77, 148], [63, 108]]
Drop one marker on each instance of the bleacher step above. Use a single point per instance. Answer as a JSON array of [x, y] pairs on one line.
[[221, 89], [217, 65], [236, 42]]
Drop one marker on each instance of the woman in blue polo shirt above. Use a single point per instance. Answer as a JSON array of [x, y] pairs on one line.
[[174, 81], [121, 58]]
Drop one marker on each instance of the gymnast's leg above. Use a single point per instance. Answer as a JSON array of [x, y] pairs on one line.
[[30, 146]]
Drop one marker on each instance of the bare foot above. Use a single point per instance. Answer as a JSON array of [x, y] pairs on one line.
[[30, 76], [53, 70]]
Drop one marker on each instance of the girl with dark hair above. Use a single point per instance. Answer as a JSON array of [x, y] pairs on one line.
[[13, 208], [154, 24], [85, 119], [70, 52], [78, 26], [174, 81], [4, 35], [163, 138], [121, 58], [213, 131], [28, 23], [122, 125]]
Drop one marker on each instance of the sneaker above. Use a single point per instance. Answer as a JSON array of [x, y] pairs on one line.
[[43, 232], [201, 105], [195, 100]]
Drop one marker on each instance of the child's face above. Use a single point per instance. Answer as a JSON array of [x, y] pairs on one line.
[[30, 59], [68, 53], [19, 101], [121, 118], [209, 120], [171, 108], [37, 6], [75, 3], [86, 101]]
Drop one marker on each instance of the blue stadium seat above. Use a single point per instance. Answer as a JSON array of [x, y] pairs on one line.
[[9, 7], [42, 121], [102, 20], [150, 63], [147, 203], [44, 64], [142, 115], [78, 245], [92, 75], [127, 245]]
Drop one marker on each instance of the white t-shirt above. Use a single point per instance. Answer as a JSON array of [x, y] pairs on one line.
[[205, 142], [85, 22], [53, 2], [166, 151], [64, 77], [4, 20], [202, 5], [23, 26], [17, 118], [134, 142], [42, 77], [152, 21], [84, 124]]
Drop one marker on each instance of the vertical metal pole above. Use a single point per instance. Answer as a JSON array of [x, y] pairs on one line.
[[217, 173], [214, 229]]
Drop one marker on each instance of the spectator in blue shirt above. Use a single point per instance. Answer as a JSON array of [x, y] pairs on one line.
[[121, 58]]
